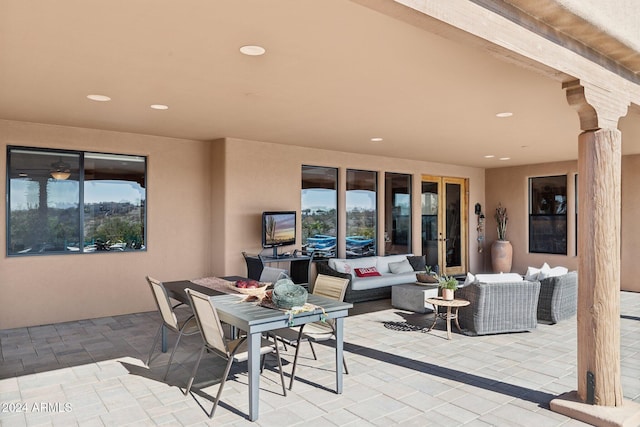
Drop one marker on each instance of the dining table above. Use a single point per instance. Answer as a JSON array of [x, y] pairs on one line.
[[255, 319]]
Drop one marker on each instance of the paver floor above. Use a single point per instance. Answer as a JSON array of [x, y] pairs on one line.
[[92, 373]]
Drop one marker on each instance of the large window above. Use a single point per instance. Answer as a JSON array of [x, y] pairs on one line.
[[362, 213], [548, 214], [319, 210], [74, 202], [397, 216]]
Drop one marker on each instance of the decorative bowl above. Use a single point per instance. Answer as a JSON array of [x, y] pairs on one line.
[[249, 291], [286, 294], [426, 278]]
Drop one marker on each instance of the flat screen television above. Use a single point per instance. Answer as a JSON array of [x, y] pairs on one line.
[[278, 229]]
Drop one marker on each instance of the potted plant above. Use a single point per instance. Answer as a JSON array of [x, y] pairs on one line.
[[448, 284], [501, 249]]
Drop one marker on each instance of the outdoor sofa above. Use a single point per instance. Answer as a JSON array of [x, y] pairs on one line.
[[389, 271]]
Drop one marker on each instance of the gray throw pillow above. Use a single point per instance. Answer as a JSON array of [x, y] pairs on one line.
[[418, 262], [400, 267]]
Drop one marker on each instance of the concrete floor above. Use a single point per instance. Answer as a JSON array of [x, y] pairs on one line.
[[91, 373]]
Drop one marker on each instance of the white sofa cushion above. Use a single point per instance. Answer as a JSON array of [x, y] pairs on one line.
[[386, 279], [343, 265], [499, 278]]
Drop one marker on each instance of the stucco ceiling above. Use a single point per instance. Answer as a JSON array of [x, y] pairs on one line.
[[335, 75]]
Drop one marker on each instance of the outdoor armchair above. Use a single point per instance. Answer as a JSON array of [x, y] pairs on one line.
[[558, 297], [499, 307]]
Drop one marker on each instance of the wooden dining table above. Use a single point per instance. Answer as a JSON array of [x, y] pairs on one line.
[[255, 319]]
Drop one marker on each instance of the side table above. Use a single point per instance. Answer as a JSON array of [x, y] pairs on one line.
[[455, 304]]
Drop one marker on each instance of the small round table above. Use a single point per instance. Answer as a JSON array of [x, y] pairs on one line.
[[455, 304]]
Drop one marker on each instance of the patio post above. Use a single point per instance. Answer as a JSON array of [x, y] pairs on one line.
[[598, 317], [599, 176]]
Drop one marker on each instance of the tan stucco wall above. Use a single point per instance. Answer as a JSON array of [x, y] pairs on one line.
[[265, 176], [204, 204], [55, 288], [510, 187]]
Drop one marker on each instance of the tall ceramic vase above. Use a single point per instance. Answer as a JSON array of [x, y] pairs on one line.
[[501, 256]]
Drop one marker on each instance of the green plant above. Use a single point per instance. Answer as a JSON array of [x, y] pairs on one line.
[[501, 219], [447, 282]]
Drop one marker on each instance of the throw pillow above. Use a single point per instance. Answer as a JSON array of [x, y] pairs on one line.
[[544, 271], [418, 262], [400, 267], [532, 274], [554, 272], [366, 272], [343, 267], [469, 279]]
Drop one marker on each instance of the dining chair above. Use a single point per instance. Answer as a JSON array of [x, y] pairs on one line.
[[254, 265], [326, 286], [273, 274], [213, 338], [169, 320]]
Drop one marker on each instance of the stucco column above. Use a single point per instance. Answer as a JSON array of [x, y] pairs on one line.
[[599, 176]]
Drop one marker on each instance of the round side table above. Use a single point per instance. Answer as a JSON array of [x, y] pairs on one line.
[[455, 304]]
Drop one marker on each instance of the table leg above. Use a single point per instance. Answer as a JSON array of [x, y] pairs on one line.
[[435, 317], [457, 324], [254, 374], [449, 323], [164, 339], [339, 355]]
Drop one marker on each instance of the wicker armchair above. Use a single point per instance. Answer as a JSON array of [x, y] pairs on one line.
[[558, 297], [499, 307]]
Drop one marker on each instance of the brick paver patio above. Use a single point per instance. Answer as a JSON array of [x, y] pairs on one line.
[[90, 373]]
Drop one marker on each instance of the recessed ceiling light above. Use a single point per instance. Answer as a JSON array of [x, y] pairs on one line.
[[159, 107], [99, 98], [505, 158], [252, 50], [489, 156], [376, 139], [504, 114]]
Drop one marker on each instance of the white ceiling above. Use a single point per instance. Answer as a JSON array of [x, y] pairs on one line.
[[335, 74]]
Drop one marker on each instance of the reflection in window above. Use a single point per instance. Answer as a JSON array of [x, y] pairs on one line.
[[397, 213], [361, 200], [319, 210], [548, 214], [429, 202], [48, 212]]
